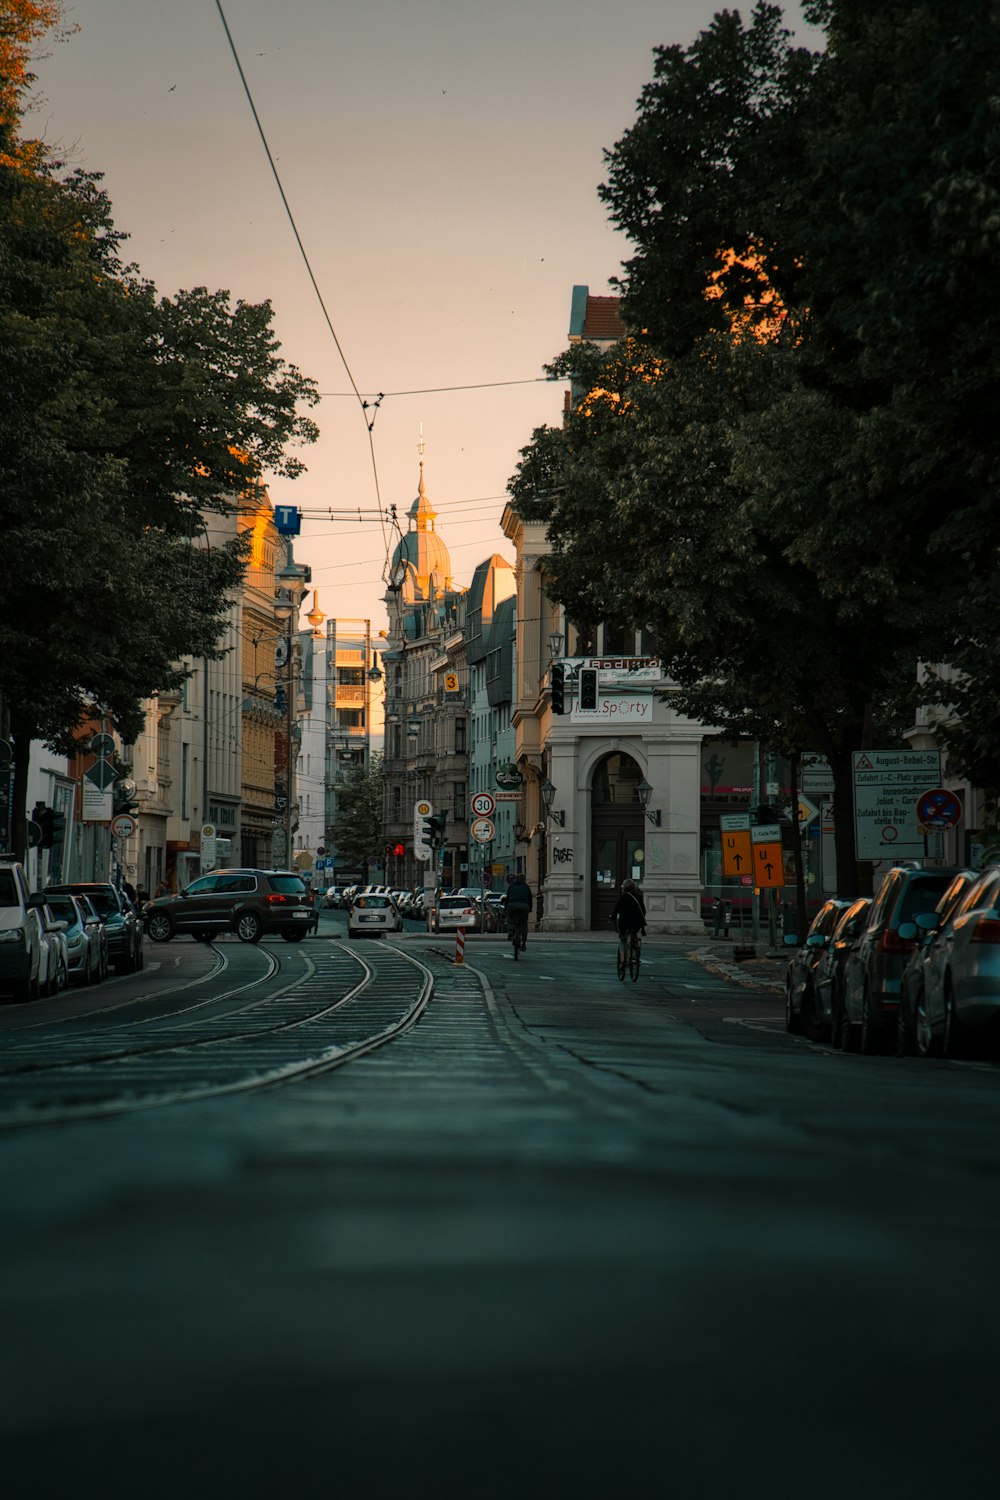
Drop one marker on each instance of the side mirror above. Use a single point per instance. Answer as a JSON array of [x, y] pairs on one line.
[[816, 940], [927, 921], [790, 940]]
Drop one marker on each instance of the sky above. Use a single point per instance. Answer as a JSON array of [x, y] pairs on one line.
[[441, 160]]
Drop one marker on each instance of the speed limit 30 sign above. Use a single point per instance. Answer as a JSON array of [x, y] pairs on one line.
[[484, 804]]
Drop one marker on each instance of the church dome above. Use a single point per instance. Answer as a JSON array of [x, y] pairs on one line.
[[420, 561]]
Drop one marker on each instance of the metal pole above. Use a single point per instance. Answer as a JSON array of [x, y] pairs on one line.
[[291, 754]]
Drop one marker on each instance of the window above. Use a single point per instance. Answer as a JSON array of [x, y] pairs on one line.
[[185, 750], [458, 799], [460, 744]]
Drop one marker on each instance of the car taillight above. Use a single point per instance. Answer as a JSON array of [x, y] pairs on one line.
[[275, 899], [986, 930], [893, 943]]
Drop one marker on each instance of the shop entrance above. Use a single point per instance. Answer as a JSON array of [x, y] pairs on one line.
[[617, 834]]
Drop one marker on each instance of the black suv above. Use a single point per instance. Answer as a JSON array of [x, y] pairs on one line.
[[122, 922], [875, 964], [251, 903]]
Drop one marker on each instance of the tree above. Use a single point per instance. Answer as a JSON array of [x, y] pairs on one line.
[[750, 485], [360, 821], [127, 418]]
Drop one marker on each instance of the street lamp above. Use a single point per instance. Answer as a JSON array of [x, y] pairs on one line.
[[286, 603], [645, 792], [548, 792], [555, 645]]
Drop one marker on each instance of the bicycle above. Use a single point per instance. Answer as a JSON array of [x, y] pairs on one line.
[[517, 931], [629, 953]]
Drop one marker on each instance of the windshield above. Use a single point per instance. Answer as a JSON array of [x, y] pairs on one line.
[[63, 908]]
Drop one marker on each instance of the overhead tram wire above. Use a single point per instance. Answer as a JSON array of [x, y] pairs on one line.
[[362, 404]]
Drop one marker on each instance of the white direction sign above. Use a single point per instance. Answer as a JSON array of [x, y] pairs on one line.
[[483, 830], [484, 804], [887, 784]]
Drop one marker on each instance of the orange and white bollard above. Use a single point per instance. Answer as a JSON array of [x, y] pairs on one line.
[[459, 946]]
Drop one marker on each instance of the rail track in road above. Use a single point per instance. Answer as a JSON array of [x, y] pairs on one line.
[[61, 1073]]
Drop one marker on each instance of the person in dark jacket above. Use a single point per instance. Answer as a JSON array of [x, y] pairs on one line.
[[518, 902], [629, 914]]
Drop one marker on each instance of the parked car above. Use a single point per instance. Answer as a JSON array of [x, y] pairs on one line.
[[954, 997], [828, 981], [373, 915], [800, 996], [20, 933], [122, 923], [54, 975], [86, 943], [451, 912], [251, 903], [913, 1034], [494, 912], [874, 967], [332, 897]]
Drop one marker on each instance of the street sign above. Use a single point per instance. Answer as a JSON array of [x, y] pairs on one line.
[[102, 744], [807, 811], [421, 848], [735, 832], [768, 869], [102, 774], [123, 825], [451, 682], [287, 520], [483, 830], [938, 809], [484, 804], [887, 784]]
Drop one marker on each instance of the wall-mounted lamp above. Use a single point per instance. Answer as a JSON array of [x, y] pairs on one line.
[[645, 792], [548, 792], [412, 729], [520, 833], [555, 645]]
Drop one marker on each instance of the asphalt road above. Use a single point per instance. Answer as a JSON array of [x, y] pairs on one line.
[[566, 1237]]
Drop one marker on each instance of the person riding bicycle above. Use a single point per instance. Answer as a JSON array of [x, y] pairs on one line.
[[519, 902], [629, 914]]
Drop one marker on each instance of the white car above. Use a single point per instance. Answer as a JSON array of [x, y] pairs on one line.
[[451, 912], [373, 915]]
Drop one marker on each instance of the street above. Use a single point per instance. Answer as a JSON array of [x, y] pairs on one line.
[[564, 1235]]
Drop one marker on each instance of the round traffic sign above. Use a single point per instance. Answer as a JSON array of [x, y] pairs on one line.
[[483, 830], [102, 744], [484, 804], [123, 825], [938, 809]]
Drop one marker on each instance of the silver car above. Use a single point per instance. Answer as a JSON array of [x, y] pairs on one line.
[[959, 1008]]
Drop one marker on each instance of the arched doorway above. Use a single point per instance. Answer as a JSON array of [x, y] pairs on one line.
[[617, 833]]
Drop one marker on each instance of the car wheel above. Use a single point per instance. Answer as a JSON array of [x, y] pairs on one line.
[[249, 928], [955, 1042], [62, 976], [872, 1037], [812, 1026], [293, 937], [159, 927], [925, 1043], [793, 1020], [845, 1031], [86, 972], [904, 1027]]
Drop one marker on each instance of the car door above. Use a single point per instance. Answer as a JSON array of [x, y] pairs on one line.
[[981, 894], [199, 906]]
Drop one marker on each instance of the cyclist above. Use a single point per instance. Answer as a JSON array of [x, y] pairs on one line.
[[629, 914], [519, 902]]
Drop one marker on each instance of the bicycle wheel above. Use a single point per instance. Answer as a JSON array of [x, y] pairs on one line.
[[635, 952], [515, 938], [621, 962]]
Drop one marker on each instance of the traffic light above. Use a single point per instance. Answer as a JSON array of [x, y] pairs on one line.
[[123, 798], [43, 817], [588, 688], [434, 829], [557, 685], [399, 850], [58, 827]]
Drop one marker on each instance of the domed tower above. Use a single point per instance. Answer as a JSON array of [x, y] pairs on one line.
[[421, 567]]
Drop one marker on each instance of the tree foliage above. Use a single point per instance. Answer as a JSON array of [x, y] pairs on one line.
[[360, 819], [128, 418], [795, 454]]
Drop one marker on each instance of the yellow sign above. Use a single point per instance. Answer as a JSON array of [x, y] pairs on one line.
[[767, 866], [497, 870], [736, 851], [451, 682]]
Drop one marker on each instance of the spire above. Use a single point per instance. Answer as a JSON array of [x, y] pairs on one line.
[[422, 511]]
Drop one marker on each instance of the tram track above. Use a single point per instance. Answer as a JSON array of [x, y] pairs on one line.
[[289, 1034]]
